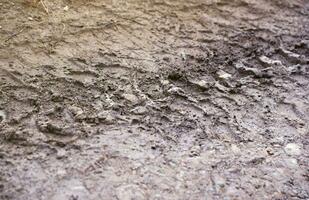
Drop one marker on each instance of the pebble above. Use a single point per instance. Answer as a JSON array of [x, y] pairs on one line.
[[223, 75], [176, 91], [128, 192], [61, 172], [269, 62], [203, 84], [131, 97], [61, 153], [183, 55], [293, 149], [76, 110], [291, 162], [2, 116], [139, 110], [106, 117], [219, 180], [270, 151], [110, 119], [73, 189], [235, 149], [195, 151], [164, 82], [66, 8]]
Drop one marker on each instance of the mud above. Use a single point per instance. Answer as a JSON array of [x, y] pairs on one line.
[[154, 99]]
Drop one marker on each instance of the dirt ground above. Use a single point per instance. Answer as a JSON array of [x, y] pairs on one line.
[[154, 99]]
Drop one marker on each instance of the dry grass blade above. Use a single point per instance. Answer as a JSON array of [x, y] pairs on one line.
[[44, 6]]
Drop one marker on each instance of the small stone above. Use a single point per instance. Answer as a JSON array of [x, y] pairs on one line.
[[269, 61], [223, 75], [57, 97], [176, 90], [183, 55], [76, 110], [66, 8], [102, 114], [61, 153], [70, 188], [270, 151], [128, 192], [139, 110], [110, 119], [2, 115], [290, 54], [167, 59], [219, 180], [291, 162], [106, 117], [235, 149], [131, 97], [195, 151], [221, 87], [292, 149], [203, 84], [165, 82], [61, 172]]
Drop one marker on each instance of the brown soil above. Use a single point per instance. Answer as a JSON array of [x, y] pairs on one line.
[[154, 99]]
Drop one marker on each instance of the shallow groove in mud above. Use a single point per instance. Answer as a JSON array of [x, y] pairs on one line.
[[154, 99]]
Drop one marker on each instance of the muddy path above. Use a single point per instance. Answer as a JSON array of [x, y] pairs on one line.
[[162, 99]]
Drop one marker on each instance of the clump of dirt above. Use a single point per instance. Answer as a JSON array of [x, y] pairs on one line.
[[155, 99]]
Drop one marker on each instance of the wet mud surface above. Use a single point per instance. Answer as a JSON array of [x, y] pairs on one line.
[[154, 99]]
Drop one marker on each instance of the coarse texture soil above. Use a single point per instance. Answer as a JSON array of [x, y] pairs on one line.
[[154, 99]]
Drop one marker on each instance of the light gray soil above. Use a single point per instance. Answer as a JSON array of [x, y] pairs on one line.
[[154, 99]]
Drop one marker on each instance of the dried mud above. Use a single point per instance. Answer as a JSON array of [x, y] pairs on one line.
[[162, 99]]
